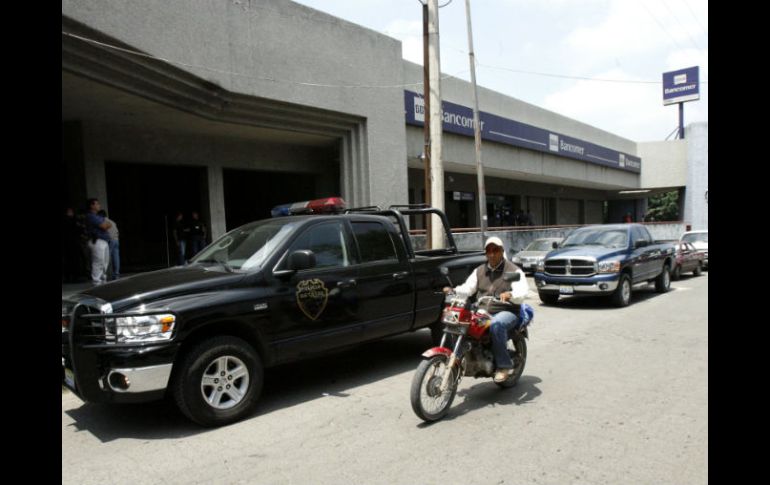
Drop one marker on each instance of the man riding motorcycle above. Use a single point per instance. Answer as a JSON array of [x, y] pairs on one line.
[[487, 280]]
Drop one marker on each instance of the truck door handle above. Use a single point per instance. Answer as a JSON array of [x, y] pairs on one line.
[[346, 284], [400, 275]]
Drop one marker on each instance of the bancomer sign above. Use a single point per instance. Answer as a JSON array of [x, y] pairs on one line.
[[459, 119], [680, 86]]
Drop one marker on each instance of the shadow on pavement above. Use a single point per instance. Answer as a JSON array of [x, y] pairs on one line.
[[486, 393], [285, 386]]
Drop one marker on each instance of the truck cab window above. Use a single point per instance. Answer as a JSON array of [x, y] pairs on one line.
[[374, 242], [328, 242]]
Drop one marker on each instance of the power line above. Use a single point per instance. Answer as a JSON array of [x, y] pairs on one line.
[[680, 24], [660, 25], [696, 18]]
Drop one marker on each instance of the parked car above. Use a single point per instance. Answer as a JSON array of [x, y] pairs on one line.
[[699, 239], [528, 258], [688, 258]]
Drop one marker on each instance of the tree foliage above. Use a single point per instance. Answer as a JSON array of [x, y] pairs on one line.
[[663, 207]]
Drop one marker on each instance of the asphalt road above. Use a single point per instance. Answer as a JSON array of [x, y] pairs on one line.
[[608, 396]]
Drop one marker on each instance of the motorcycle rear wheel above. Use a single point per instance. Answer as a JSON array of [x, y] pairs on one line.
[[519, 357], [428, 403]]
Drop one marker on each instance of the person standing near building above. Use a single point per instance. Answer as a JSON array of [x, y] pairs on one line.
[[98, 242], [114, 246], [180, 231], [196, 234]]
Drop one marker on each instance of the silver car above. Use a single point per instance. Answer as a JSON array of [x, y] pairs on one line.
[[535, 251], [699, 239]]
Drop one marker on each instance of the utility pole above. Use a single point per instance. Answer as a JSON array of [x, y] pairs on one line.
[[477, 128], [436, 121], [426, 123]]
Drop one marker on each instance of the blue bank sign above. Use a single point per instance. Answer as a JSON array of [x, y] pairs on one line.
[[459, 119], [680, 86]]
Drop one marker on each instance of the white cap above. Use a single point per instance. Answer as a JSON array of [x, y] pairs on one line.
[[494, 240]]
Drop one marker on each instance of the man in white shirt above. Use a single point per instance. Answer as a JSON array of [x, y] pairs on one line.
[[487, 280]]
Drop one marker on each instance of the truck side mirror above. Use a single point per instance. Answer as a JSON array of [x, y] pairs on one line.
[[301, 259], [511, 276], [640, 244], [554, 245]]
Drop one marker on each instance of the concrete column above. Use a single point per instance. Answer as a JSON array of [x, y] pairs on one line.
[[93, 162], [216, 201]]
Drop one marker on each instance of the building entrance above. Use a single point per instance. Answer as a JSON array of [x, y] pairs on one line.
[[143, 200]]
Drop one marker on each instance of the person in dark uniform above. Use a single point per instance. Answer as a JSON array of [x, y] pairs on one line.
[[196, 235]]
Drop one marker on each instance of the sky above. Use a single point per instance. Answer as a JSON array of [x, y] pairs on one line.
[[542, 51]]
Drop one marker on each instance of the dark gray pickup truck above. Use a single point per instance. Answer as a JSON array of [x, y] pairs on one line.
[[269, 292], [605, 260]]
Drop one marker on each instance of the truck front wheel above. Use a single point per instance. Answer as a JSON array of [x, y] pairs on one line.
[[548, 298], [219, 381], [622, 295]]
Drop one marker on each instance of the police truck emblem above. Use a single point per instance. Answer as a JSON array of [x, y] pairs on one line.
[[312, 296]]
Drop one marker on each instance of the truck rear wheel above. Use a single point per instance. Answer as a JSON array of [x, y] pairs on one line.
[[219, 381], [663, 281]]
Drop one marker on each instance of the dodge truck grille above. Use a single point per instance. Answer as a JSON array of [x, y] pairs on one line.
[[570, 267]]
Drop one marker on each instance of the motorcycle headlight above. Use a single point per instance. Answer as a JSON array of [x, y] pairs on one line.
[[142, 328], [609, 267]]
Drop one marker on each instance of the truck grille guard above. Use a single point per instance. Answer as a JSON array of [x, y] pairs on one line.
[[581, 267]]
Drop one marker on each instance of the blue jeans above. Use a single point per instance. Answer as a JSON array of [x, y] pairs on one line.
[[115, 258], [181, 246], [502, 323]]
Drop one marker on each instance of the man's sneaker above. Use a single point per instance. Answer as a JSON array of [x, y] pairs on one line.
[[502, 374]]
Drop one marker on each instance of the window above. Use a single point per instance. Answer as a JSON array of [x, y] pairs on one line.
[[328, 243], [374, 242]]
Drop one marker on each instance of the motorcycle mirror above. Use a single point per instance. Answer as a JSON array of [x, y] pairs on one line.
[[445, 271], [511, 276]]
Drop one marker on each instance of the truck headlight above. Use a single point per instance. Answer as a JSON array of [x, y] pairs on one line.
[[609, 267], [142, 328], [541, 266], [516, 260]]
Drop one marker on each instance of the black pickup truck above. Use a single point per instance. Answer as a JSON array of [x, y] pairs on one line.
[[605, 260], [268, 292]]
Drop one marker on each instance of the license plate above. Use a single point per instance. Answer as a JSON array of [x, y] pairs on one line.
[[69, 377], [566, 290]]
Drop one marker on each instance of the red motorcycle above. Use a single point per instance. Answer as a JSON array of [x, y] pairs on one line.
[[465, 350]]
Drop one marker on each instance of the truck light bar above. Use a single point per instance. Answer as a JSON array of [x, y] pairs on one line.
[[327, 205]]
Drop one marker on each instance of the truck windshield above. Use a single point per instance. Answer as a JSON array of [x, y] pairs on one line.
[[595, 236], [696, 237], [540, 245], [248, 246]]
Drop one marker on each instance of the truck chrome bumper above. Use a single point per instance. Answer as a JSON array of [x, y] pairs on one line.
[[139, 379], [598, 288]]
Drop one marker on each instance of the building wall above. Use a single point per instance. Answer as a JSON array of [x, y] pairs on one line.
[[253, 48], [459, 150], [664, 163], [696, 209]]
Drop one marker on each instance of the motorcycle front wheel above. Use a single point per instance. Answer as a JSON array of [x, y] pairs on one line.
[[428, 402]]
